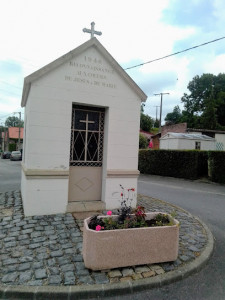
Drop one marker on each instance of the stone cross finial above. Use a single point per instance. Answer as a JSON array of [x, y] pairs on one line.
[[92, 30]]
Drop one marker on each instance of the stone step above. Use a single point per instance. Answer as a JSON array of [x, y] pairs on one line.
[[85, 206]]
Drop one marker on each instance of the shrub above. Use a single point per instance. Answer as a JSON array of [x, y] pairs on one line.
[[217, 166], [143, 142]]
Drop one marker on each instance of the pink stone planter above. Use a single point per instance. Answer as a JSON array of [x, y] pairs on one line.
[[110, 249]]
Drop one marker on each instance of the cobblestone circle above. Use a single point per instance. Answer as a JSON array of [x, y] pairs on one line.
[[47, 250]]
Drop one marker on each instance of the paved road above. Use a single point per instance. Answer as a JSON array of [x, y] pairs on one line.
[[10, 175], [207, 201]]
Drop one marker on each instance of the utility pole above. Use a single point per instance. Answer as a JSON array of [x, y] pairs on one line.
[[160, 119], [156, 106], [19, 112], [2, 137]]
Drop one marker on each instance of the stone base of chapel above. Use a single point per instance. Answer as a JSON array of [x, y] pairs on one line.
[[85, 206]]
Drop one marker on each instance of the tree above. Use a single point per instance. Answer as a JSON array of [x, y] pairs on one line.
[[156, 123], [205, 105], [208, 117], [14, 122], [174, 117], [146, 122]]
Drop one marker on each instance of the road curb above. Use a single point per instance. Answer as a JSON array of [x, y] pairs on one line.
[[103, 290]]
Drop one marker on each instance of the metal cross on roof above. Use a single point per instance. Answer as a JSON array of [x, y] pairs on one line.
[[92, 30]]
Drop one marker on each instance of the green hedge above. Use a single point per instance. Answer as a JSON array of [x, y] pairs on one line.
[[217, 166], [202, 164], [174, 163]]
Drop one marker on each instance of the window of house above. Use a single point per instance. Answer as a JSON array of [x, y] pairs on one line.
[[197, 145]]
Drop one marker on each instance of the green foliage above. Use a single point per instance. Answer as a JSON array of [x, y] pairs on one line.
[[204, 106], [136, 220], [217, 166], [155, 130], [14, 122], [156, 124], [174, 163], [174, 117], [146, 122], [12, 147], [143, 142]]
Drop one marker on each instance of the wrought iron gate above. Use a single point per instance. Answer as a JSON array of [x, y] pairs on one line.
[[87, 133]]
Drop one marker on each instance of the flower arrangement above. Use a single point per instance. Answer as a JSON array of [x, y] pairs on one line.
[[127, 217], [142, 239]]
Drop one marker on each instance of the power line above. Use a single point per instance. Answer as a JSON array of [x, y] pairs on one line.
[[4, 117], [148, 62], [4, 82], [10, 92]]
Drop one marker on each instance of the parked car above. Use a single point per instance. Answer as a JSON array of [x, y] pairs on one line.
[[5, 154], [16, 155]]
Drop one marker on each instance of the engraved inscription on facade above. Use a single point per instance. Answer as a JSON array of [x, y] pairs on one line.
[[91, 71]]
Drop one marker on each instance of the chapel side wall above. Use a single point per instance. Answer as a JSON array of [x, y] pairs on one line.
[[24, 181], [47, 145], [26, 131]]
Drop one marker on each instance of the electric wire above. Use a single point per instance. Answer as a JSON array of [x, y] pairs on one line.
[[4, 82], [185, 50]]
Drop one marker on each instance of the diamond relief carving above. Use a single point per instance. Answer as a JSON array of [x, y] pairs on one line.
[[84, 184]]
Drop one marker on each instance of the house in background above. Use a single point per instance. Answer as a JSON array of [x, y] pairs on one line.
[[146, 134], [187, 141], [155, 141], [181, 127], [13, 135], [218, 135]]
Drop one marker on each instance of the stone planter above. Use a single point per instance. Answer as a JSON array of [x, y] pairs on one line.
[[110, 249]]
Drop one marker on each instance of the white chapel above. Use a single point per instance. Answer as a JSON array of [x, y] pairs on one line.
[[81, 135]]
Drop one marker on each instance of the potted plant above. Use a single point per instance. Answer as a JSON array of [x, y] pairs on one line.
[[129, 238]]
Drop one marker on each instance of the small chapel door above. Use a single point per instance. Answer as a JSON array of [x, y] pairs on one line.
[[86, 153]]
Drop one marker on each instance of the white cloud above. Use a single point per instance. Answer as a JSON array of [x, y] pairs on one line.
[[216, 66]]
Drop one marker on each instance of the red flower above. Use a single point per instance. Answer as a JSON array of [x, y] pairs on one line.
[[98, 228]]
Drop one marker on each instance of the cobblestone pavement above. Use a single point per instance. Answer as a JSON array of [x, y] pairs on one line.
[[47, 250]]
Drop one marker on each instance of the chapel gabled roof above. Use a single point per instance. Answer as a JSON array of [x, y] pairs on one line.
[[63, 59]]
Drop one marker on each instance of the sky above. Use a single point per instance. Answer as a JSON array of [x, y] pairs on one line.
[[35, 32]]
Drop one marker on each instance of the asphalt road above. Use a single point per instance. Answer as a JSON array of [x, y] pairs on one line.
[[10, 175]]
